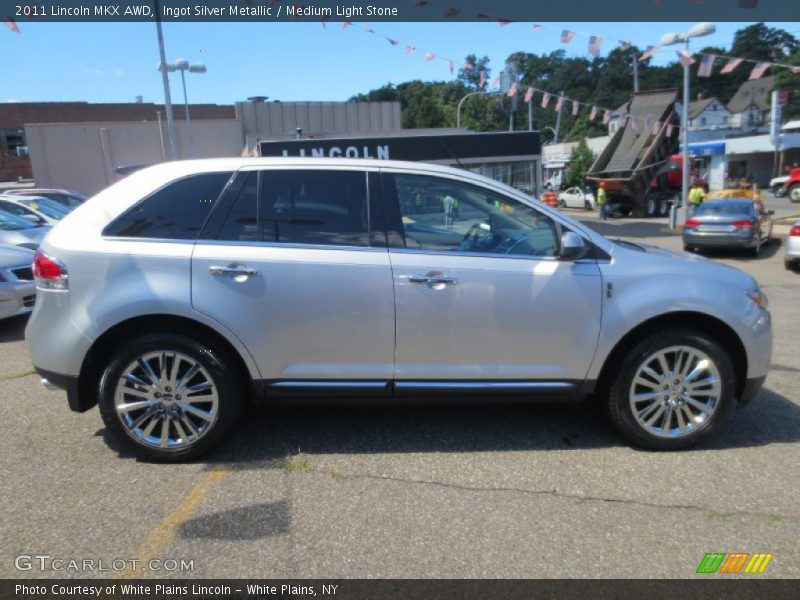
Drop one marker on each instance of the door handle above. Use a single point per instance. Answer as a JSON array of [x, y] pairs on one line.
[[233, 271], [433, 279]]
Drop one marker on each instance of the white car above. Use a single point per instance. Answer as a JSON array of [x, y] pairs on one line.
[[575, 197], [792, 257], [17, 289]]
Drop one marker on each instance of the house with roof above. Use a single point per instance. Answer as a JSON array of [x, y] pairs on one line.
[[707, 113], [750, 105]]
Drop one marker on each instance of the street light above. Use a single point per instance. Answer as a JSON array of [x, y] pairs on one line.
[[458, 110], [669, 39], [183, 65]]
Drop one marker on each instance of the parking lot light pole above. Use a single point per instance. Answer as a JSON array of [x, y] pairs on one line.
[[183, 65], [173, 143], [669, 39]]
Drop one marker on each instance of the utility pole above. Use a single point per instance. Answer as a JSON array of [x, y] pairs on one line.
[[558, 118], [635, 74], [173, 142]]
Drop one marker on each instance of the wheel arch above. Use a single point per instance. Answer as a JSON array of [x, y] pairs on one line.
[[93, 363], [717, 329]]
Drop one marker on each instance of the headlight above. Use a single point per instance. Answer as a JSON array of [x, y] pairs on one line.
[[759, 297]]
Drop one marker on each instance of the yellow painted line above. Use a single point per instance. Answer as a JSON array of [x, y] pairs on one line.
[[764, 564], [162, 535]]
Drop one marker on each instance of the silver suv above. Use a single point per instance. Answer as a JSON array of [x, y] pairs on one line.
[[188, 289]]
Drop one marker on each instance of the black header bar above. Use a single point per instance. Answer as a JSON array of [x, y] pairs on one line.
[[288, 11]]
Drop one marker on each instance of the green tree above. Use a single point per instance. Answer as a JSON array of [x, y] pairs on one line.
[[471, 78], [580, 161]]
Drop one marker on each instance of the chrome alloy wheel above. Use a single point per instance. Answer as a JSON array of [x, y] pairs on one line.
[[166, 399], [675, 392]]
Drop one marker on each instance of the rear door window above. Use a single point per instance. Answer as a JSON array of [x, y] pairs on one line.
[[177, 211]]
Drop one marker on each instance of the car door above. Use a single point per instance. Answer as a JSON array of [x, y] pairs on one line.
[[294, 262], [482, 300], [572, 197]]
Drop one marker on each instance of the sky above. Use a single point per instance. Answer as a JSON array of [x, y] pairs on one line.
[[115, 62]]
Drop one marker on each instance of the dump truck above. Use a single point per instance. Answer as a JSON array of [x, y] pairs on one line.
[[634, 163]]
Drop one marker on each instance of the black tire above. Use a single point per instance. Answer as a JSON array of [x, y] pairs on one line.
[[587, 205], [562, 204], [687, 248], [651, 208], [790, 265], [794, 193], [217, 364], [756, 250], [618, 407]]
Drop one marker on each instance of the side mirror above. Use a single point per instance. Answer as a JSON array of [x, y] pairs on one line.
[[35, 219], [770, 212], [572, 246]]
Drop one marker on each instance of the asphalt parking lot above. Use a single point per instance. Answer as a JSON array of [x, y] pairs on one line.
[[440, 492]]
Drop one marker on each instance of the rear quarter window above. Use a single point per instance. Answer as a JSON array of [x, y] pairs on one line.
[[177, 211]]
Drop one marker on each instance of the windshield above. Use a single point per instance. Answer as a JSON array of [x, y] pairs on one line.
[[47, 207], [724, 208], [9, 222]]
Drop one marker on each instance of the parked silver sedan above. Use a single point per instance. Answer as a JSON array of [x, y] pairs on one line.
[[20, 232], [68, 198], [734, 223], [792, 257], [17, 288]]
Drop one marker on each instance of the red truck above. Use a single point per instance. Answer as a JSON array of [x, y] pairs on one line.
[[793, 185]]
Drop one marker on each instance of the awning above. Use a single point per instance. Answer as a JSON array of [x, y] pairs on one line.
[[711, 149]]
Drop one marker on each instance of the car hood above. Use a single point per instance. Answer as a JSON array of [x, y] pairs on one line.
[[13, 256], [657, 258]]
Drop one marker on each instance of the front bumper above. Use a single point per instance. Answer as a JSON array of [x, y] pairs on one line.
[[16, 298]]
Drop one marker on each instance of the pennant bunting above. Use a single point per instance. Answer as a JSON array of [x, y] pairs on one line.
[[495, 81], [11, 24], [512, 90], [451, 12], [346, 24], [795, 69], [482, 78], [684, 57], [451, 65], [468, 66], [759, 70], [529, 94], [594, 45], [623, 45], [593, 113], [656, 128], [576, 106], [537, 28], [368, 29], [706, 65], [429, 56], [392, 41], [623, 119], [731, 65], [504, 22], [649, 52], [545, 100], [670, 129], [560, 103], [566, 36], [409, 48], [606, 117]]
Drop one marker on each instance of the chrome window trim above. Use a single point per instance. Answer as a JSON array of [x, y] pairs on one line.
[[294, 246]]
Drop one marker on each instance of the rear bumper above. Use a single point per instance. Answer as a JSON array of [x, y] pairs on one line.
[[751, 388], [722, 240], [68, 383]]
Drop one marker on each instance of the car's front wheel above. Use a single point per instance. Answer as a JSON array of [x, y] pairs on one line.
[[169, 397], [672, 390]]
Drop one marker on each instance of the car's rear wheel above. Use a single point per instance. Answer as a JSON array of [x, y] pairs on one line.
[[673, 390], [169, 397], [756, 250], [587, 205], [562, 204], [794, 193]]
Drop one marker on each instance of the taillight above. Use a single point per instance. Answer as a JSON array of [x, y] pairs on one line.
[[49, 272], [743, 224], [795, 230], [691, 224]]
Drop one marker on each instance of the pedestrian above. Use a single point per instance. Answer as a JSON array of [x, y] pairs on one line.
[[696, 196], [602, 200]]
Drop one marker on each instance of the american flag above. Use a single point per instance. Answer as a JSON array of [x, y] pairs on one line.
[[495, 81], [545, 100], [560, 102], [685, 58], [606, 117], [706, 65], [512, 91], [429, 56], [759, 70], [529, 94], [731, 65], [649, 52], [623, 119], [656, 128], [482, 78], [451, 12], [346, 24], [795, 69], [593, 113], [566, 36], [537, 27], [468, 65], [623, 45], [392, 41], [451, 65], [11, 24], [594, 45], [409, 48], [576, 106], [670, 129]]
